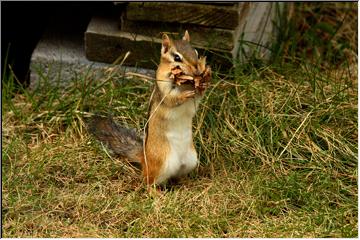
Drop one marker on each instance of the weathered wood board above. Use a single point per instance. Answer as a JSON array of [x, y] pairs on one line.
[[225, 17], [256, 29], [116, 3], [250, 33], [105, 42], [212, 38]]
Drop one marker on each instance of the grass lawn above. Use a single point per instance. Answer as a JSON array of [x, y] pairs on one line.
[[278, 145]]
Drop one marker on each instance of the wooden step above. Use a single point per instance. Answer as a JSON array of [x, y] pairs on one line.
[[105, 42], [226, 17], [106, 39], [212, 38]]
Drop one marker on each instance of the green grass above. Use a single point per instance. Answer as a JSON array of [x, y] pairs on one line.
[[278, 146]]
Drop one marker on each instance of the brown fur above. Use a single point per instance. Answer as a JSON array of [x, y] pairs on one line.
[[157, 147], [165, 99], [120, 140]]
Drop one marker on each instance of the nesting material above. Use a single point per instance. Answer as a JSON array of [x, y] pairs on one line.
[[199, 81]]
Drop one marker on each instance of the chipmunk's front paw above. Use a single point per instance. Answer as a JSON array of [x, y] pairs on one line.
[[204, 85], [186, 95]]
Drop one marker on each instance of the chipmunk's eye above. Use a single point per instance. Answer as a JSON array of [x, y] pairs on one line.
[[177, 58]]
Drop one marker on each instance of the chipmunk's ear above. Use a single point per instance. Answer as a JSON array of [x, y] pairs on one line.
[[165, 43], [186, 36]]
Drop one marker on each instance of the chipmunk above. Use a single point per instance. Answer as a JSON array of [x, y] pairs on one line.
[[168, 150]]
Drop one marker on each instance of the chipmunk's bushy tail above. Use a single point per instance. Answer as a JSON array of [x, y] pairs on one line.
[[121, 141]]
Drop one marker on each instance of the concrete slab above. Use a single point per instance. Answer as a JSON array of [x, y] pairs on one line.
[[60, 58]]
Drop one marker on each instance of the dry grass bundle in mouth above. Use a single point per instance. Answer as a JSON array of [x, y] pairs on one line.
[[199, 81]]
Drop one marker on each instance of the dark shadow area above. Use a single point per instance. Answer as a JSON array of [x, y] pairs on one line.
[[23, 23]]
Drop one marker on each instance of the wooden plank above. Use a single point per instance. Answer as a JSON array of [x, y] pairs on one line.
[[104, 42], [207, 3], [256, 29], [226, 17], [217, 3], [201, 36]]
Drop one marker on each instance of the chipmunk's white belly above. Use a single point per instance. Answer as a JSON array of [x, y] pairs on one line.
[[182, 157]]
